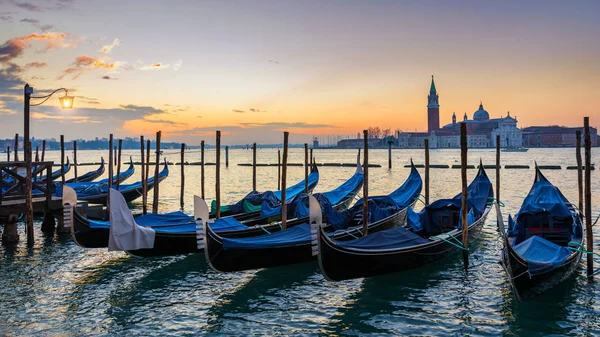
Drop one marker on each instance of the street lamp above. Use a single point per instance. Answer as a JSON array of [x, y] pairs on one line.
[[66, 102]]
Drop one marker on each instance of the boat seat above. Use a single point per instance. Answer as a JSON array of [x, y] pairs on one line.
[[553, 229]]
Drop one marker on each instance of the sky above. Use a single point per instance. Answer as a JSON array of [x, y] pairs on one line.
[[254, 69]]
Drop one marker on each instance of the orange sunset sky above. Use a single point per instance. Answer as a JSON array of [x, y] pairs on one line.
[[255, 68]]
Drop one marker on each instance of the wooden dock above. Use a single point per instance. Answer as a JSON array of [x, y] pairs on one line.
[[17, 205]]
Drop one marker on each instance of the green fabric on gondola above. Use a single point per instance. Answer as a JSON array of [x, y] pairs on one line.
[[249, 207], [213, 207]]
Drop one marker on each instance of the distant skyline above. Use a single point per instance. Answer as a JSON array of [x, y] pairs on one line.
[[255, 69]]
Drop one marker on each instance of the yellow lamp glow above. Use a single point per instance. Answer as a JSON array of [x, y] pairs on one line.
[[66, 102]]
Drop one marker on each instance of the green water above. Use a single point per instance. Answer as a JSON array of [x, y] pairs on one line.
[[56, 288]]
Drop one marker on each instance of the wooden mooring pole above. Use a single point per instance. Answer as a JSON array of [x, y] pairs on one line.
[[43, 153], [182, 175], [226, 156], [110, 172], [284, 181], [426, 172], [143, 174], [588, 196], [254, 167], [8, 153], [37, 153], [62, 158], [74, 158], [202, 169], [278, 169], [579, 170], [464, 210], [389, 155], [119, 164], [147, 173], [306, 168], [218, 174], [311, 157], [365, 218], [155, 200], [16, 148], [497, 168]]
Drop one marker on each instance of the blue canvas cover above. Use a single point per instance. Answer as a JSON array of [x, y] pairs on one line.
[[341, 192], [413, 220], [545, 197], [220, 225], [379, 206], [272, 199], [292, 191], [394, 238], [298, 206], [153, 220], [542, 255], [93, 189], [296, 235]]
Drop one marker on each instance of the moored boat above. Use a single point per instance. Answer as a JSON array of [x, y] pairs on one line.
[[428, 236], [293, 245], [544, 242], [90, 176]]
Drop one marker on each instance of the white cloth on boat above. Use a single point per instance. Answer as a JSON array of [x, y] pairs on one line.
[[125, 234]]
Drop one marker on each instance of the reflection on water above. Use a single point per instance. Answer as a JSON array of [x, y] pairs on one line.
[[56, 288]]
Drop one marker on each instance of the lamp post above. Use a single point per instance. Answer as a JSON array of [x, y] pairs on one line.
[[66, 102]]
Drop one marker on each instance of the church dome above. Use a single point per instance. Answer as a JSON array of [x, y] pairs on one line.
[[481, 114]]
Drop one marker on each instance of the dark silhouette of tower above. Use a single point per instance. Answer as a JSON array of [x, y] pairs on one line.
[[433, 109]]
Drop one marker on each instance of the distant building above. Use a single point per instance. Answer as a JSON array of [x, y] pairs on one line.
[[481, 130], [555, 136]]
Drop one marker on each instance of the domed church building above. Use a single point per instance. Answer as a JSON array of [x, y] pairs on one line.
[[481, 129]]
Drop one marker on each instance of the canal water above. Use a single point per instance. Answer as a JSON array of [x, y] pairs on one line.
[[56, 288]]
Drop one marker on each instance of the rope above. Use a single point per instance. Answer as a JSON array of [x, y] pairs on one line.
[[580, 249], [443, 238], [594, 224], [261, 227], [491, 201]]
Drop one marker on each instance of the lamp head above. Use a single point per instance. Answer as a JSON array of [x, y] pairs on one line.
[[66, 102]]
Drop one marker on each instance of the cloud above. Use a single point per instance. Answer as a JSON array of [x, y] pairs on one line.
[[4, 110], [28, 6], [6, 18], [106, 77], [165, 121], [33, 6], [108, 48], [15, 47], [10, 78], [85, 63], [275, 62], [36, 65], [178, 65], [32, 21], [36, 23], [238, 111], [155, 66], [283, 125]]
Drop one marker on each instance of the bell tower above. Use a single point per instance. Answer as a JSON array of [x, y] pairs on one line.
[[433, 109]]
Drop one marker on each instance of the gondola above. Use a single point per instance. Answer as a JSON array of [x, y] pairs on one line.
[[58, 173], [96, 194], [94, 233], [428, 236], [253, 202], [226, 252], [90, 176], [183, 239], [544, 242]]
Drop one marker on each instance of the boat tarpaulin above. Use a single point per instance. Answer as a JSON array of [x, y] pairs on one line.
[[389, 239], [542, 255], [296, 235]]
